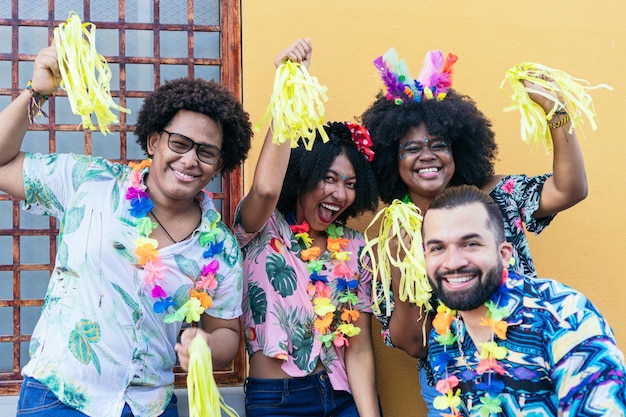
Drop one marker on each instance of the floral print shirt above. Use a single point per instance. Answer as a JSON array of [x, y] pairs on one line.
[[562, 356], [518, 198], [98, 343], [278, 314]]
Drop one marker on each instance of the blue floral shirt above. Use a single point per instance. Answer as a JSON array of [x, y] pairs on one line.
[[562, 356]]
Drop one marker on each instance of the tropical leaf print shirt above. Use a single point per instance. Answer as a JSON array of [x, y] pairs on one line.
[[562, 356], [278, 314], [518, 198], [98, 343]]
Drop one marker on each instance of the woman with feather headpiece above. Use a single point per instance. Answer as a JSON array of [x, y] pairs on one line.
[[428, 137]]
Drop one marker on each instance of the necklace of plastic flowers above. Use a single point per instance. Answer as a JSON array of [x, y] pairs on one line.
[[334, 326], [187, 304], [490, 356]]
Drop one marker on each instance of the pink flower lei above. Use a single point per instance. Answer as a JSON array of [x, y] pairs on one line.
[[335, 325], [185, 305]]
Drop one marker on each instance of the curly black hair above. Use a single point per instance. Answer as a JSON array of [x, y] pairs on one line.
[[201, 96], [307, 168], [455, 118]]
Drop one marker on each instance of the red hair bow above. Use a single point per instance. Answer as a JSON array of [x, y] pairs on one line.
[[300, 228], [362, 139]]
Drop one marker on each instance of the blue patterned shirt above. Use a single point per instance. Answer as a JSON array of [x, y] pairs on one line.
[[562, 356]]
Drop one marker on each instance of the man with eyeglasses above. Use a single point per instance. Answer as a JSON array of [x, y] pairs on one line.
[[141, 248]]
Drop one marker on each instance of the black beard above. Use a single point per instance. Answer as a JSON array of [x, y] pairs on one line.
[[488, 284]]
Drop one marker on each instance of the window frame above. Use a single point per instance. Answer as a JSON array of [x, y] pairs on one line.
[[232, 183]]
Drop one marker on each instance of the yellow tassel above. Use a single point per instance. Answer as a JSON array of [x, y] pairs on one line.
[[574, 91], [296, 108], [396, 221], [79, 63], [204, 396]]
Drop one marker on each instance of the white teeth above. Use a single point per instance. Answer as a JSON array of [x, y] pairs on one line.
[[183, 174], [329, 207], [458, 280], [428, 170]]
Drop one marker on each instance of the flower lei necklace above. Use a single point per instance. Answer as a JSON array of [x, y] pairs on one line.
[[189, 301], [334, 325], [490, 355]]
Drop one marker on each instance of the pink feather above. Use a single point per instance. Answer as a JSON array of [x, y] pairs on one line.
[[433, 63], [437, 72]]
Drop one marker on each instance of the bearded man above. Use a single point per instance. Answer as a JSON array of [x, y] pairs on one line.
[[505, 344]]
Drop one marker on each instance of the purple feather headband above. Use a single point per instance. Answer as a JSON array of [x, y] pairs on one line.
[[433, 82]]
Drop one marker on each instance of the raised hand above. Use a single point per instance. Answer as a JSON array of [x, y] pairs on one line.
[[46, 73], [299, 51]]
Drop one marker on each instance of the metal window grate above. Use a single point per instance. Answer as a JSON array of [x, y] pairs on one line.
[[145, 42]]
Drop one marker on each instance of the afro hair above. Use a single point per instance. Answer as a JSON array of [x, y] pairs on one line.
[[455, 118], [201, 96]]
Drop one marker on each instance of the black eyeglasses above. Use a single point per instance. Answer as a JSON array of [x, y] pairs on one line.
[[416, 148], [181, 144]]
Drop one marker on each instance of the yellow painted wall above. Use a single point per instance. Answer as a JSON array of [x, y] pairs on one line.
[[584, 246]]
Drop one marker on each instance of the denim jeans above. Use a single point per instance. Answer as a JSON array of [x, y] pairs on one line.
[[312, 395], [37, 400]]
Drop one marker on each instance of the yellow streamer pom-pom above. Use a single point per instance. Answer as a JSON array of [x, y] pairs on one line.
[[204, 396], [400, 225], [296, 108], [85, 74], [573, 91]]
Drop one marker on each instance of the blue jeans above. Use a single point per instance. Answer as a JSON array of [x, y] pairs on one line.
[[428, 394], [312, 395], [37, 400]]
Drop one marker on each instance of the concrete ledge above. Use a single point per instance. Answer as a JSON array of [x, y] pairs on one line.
[[232, 395]]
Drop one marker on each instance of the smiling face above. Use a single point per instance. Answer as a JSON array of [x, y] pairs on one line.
[[331, 197], [425, 164], [179, 177], [463, 261]]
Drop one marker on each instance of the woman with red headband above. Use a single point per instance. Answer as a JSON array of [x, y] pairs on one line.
[[307, 296]]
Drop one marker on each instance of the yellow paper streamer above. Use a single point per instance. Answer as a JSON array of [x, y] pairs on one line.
[[408, 257], [534, 122], [79, 63], [296, 108], [204, 396]]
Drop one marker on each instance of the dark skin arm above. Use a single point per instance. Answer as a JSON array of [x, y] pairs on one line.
[[568, 184], [409, 324]]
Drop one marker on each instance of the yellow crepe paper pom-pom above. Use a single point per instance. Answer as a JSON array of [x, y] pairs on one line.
[[402, 223], [296, 108], [85, 74], [204, 396], [573, 91]]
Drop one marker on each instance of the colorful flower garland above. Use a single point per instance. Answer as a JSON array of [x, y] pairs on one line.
[[334, 328], [187, 306], [489, 364]]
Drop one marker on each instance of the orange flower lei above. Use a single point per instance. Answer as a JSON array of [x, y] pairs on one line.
[[334, 324], [489, 364]]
